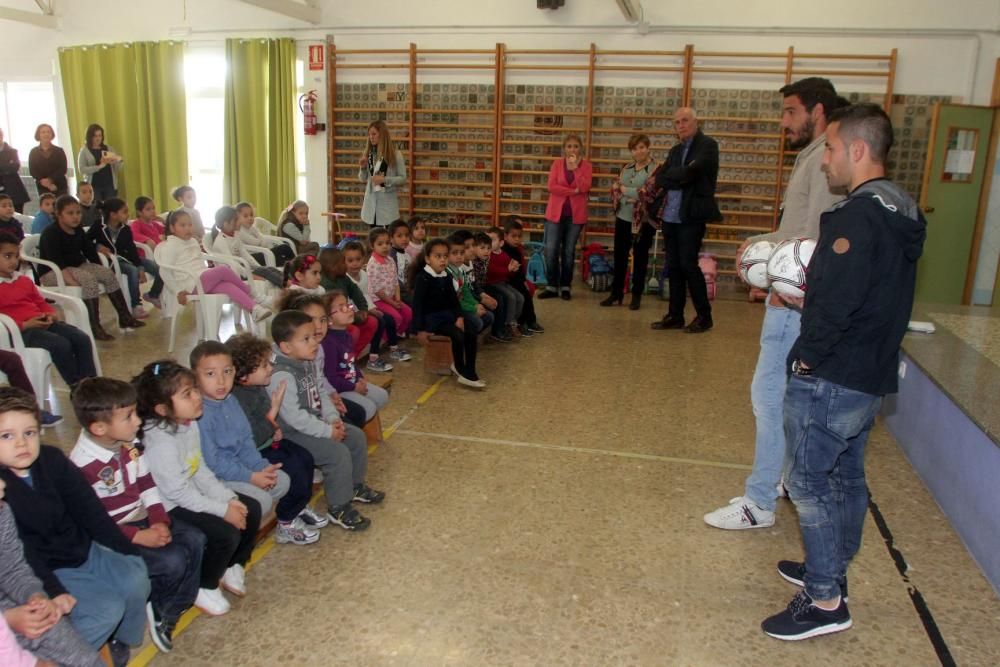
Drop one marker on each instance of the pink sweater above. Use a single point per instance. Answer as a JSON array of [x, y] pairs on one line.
[[381, 277], [11, 654], [147, 232], [560, 190]]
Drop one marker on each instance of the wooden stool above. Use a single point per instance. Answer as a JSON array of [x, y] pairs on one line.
[[437, 355], [383, 380], [373, 431], [105, 654]]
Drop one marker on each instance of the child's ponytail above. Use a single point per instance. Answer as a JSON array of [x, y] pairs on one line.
[[156, 385]]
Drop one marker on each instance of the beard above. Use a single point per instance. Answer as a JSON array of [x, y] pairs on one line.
[[802, 138]]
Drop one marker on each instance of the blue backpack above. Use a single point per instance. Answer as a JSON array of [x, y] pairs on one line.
[[536, 263]]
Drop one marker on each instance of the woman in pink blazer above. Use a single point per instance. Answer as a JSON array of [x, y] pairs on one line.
[[565, 216]]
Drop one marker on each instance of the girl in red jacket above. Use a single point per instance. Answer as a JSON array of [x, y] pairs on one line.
[[565, 215]]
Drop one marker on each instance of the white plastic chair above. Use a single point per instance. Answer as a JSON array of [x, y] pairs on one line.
[[75, 313], [207, 307], [37, 361], [270, 233], [26, 222]]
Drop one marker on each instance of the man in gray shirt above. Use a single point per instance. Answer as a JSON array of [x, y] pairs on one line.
[[807, 105]]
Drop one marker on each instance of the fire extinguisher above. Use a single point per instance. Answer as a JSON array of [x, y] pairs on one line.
[[307, 105]]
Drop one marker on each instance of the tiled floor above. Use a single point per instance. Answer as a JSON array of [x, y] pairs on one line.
[[555, 518]]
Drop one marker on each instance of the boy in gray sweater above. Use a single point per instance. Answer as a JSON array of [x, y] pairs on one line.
[[308, 418]]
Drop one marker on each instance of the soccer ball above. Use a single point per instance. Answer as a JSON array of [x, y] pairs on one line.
[[753, 264], [786, 267]]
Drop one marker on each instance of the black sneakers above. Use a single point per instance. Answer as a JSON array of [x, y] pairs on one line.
[[794, 572], [159, 630], [366, 494], [802, 619], [348, 518], [536, 328]]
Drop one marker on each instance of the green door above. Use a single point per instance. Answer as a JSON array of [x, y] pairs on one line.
[[953, 182]]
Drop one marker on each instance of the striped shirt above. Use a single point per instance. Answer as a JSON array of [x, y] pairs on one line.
[[122, 482]]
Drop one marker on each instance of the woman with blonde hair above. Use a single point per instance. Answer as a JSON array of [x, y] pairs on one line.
[[383, 171], [565, 215]]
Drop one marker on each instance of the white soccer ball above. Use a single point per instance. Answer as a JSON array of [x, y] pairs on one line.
[[753, 264], [787, 265]]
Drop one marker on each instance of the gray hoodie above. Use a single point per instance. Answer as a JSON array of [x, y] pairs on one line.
[[305, 408]]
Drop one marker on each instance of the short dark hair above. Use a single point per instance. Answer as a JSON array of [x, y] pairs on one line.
[[45, 196], [285, 323], [355, 245], [112, 205], [498, 231], [814, 90], [248, 353], [13, 399], [462, 235], [397, 225], [6, 238], [206, 348], [179, 192], [4, 196], [482, 238], [95, 399], [455, 240], [869, 123], [298, 300], [64, 201], [512, 222]]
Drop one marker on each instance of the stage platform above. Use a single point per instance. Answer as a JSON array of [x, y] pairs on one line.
[[946, 418]]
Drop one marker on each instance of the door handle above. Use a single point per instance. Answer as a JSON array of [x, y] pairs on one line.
[[928, 209]]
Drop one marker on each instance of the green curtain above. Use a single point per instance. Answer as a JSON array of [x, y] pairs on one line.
[[259, 135], [136, 93]]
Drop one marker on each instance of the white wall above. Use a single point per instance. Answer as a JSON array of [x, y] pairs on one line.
[[945, 48]]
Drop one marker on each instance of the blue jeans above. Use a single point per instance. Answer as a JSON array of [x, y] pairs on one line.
[[174, 569], [131, 273], [71, 349], [560, 251], [477, 322], [827, 427], [110, 590], [767, 394]]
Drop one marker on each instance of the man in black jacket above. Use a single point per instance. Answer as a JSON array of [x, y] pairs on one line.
[[856, 310], [686, 203]]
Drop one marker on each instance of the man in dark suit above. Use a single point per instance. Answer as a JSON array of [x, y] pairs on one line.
[[686, 203]]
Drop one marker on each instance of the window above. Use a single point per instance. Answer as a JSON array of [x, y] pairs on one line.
[[204, 79], [23, 106]]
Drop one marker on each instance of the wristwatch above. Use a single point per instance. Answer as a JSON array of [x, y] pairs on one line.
[[799, 369]]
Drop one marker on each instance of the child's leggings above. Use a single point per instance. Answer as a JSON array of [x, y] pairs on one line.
[[386, 331], [402, 315], [223, 280]]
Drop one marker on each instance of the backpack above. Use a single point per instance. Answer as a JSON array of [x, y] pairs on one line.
[[598, 271], [536, 263], [589, 251]]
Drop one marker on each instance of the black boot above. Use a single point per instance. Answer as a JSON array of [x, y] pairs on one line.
[[636, 302], [612, 300], [125, 319], [94, 313]]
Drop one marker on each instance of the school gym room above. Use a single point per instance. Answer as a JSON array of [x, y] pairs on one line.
[[660, 324]]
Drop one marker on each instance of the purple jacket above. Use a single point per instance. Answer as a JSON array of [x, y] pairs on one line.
[[339, 366]]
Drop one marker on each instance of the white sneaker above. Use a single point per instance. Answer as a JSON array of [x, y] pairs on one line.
[[295, 532], [740, 514], [476, 384], [313, 519], [234, 580], [260, 313], [139, 313], [317, 476], [782, 489], [212, 602]]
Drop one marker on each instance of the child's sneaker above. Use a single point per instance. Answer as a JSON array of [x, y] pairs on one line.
[[399, 354], [313, 519], [378, 366], [317, 476], [159, 631], [500, 338], [139, 313], [212, 602], [794, 572], [366, 494], [120, 652], [49, 419], [260, 313], [535, 327], [802, 619], [234, 580], [514, 331], [295, 532], [525, 331], [349, 518], [155, 300], [740, 514]]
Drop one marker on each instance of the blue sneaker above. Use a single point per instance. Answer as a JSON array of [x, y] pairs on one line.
[[378, 366], [49, 419]]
